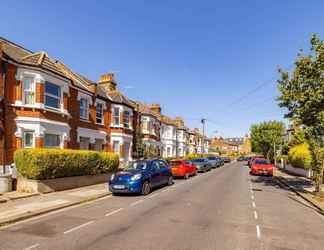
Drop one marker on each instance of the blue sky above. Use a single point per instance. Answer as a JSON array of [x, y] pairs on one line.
[[213, 59]]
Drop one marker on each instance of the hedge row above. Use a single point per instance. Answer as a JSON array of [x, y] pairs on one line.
[[300, 156], [42, 164]]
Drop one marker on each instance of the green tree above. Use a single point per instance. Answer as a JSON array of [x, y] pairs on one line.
[[267, 136], [302, 94]]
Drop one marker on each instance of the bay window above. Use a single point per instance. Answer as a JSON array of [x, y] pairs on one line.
[[116, 116], [84, 109], [29, 90], [84, 143], [52, 95], [52, 141], [99, 113]]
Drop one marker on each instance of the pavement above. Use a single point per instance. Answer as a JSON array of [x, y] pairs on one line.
[[302, 186], [225, 208], [18, 206]]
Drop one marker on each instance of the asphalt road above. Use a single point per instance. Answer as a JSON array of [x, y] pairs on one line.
[[225, 208]]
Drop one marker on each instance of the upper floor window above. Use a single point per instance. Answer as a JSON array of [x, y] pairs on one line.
[[116, 117], [52, 95], [84, 108], [126, 119], [99, 113], [29, 90]]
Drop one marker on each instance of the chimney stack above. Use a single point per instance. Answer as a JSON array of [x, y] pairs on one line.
[[107, 81], [179, 121], [155, 107]]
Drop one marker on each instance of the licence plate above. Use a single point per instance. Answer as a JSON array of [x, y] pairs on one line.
[[118, 186]]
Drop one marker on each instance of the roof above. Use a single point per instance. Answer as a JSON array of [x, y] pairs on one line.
[[145, 109], [42, 60], [168, 120]]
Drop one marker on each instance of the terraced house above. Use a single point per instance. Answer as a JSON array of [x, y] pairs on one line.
[[46, 104]]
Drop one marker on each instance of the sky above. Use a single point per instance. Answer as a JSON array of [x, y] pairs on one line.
[[199, 59]]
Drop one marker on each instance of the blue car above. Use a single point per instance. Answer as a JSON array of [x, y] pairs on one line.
[[141, 176]]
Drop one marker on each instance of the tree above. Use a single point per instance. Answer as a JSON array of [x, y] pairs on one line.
[[302, 94], [267, 136]]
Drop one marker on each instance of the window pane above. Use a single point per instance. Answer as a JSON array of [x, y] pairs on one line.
[[52, 102], [84, 108], [51, 140], [116, 116], [29, 97], [28, 84], [84, 143], [116, 147], [52, 89], [99, 113], [99, 144], [28, 139], [126, 119]]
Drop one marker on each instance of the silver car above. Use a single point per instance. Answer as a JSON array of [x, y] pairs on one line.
[[202, 164]]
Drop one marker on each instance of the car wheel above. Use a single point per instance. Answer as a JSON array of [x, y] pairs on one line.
[[195, 173], [146, 188], [170, 181], [186, 176]]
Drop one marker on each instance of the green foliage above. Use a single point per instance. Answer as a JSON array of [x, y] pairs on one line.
[[299, 137], [299, 156], [265, 135], [302, 94], [41, 164]]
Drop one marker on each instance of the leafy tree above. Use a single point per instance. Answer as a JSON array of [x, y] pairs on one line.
[[265, 136], [302, 94]]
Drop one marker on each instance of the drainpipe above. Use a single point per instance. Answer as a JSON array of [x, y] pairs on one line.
[[4, 106]]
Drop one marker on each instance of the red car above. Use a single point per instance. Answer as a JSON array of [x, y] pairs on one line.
[[261, 166], [181, 168]]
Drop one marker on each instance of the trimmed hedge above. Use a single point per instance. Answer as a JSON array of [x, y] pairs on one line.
[[300, 156], [42, 164]]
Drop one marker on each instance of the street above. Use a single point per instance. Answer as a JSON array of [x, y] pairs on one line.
[[225, 208]]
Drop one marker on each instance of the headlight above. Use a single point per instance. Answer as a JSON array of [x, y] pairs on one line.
[[136, 177], [112, 177]]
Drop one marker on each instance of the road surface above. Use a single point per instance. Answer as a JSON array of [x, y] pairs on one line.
[[225, 208]]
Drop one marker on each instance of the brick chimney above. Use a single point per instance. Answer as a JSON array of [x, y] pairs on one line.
[[179, 121], [107, 81], [155, 107]]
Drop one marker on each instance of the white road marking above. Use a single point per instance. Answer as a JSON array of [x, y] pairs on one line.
[[114, 212], [78, 227], [32, 247], [258, 231], [252, 197], [255, 215], [253, 204], [164, 190], [136, 203]]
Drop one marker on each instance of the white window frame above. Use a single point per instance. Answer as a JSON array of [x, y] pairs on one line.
[[84, 116], [53, 96], [24, 140], [115, 116], [30, 91], [101, 113]]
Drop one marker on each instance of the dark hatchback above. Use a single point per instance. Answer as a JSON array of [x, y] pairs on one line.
[[141, 176]]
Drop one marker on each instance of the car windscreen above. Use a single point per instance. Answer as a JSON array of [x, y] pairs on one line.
[[261, 162], [138, 165], [198, 160], [212, 158], [175, 163]]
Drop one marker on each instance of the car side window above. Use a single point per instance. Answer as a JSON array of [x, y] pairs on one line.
[[163, 164], [155, 165]]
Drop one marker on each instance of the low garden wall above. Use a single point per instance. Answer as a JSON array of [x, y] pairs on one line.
[[299, 171], [59, 184]]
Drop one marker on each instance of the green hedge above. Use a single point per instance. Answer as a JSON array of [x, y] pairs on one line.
[[42, 164], [300, 156]]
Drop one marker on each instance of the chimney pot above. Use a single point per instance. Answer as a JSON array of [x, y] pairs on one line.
[[108, 81]]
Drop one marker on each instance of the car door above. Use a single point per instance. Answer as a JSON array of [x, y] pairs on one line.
[[165, 172], [156, 174]]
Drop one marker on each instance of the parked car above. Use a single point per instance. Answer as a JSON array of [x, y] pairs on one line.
[[141, 176], [227, 159], [214, 161], [181, 168], [261, 167], [221, 160], [241, 158], [202, 164]]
